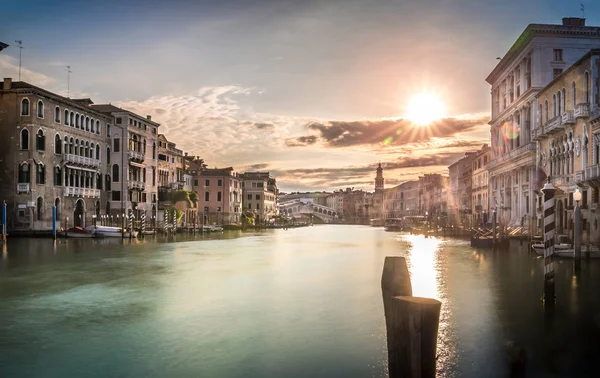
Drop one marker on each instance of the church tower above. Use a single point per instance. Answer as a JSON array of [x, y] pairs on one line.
[[379, 179]]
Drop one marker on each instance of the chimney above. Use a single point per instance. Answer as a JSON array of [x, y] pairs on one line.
[[149, 118], [573, 21], [7, 83]]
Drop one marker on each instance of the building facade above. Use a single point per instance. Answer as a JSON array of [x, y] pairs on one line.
[[260, 195], [219, 195], [53, 153], [480, 190], [460, 177], [567, 133], [539, 55]]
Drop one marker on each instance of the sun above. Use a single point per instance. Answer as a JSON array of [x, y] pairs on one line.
[[425, 108]]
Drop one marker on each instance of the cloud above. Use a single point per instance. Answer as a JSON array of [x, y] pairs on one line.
[[263, 125], [392, 132], [10, 68], [255, 167], [301, 141]]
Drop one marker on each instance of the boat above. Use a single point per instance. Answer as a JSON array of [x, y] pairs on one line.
[[77, 232], [563, 247], [111, 232], [212, 228], [378, 222], [394, 224], [148, 232]]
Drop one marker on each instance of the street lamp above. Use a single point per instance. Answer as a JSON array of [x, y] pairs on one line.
[[577, 230]]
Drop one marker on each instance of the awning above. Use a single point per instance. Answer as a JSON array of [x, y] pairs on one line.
[[81, 169]]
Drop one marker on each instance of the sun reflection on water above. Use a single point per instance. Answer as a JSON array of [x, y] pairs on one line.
[[422, 265]]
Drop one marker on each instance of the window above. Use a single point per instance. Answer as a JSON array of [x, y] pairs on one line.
[[107, 155], [98, 127], [99, 181], [195, 182], [116, 145], [558, 55], [24, 175], [77, 124], [40, 141], [258, 197], [153, 176], [107, 182], [66, 117], [218, 208], [257, 206], [207, 183], [116, 195], [119, 120], [144, 174], [57, 114], [556, 72], [219, 182], [586, 88], [573, 95], [153, 150], [546, 110], [115, 172], [40, 174], [98, 151], [72, 119], [25, 107], [87, 123], [108, 131], [57, 176], [219, 196], [40, 109], [206, 196], [24, 139], [249, 197], [57, 144]]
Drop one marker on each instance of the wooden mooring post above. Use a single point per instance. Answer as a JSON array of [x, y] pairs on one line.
[[411, 323]]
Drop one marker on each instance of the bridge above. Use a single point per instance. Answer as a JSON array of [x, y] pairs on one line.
[[301, 209]]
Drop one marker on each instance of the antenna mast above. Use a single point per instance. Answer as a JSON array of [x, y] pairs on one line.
[[20, 43], [69, 81], [582, 10]]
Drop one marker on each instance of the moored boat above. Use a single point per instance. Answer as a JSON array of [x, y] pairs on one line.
[[111, 232], [394, 224], [563, 247], [77, 232], [378, 222]]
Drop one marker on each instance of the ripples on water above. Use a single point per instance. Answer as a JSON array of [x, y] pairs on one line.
[[297, 303]]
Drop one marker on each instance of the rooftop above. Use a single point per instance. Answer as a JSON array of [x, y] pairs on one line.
[[110, 108]]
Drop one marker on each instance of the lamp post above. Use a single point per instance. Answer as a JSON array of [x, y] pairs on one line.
[[577, 231]]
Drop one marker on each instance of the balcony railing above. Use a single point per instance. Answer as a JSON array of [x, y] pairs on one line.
[[23, 188], [568, 117], [553, 125], [81, 160], [537, 132], [592, 173], [581, 110], [511, 155], [82, 192], [136, 155], [562, 180], [137, 185], [579, 176]]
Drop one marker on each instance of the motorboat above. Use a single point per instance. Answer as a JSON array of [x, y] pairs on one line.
[[394, 224], [212, 228], [77, 232], [111, 232], [563, 247], [378, 222]]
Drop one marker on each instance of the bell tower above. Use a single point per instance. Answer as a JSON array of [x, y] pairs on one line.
[[379, 179]]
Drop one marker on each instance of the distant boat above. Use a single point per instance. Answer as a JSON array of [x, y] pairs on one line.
[[377, 222], [77, 232], [394, 224], [212, 228], [111, 232], [563, 247]]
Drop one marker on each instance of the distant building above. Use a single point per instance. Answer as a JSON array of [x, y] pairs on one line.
[[220, 195], [460, 176], [432, 202], [480, 189], [3, 46], [377, 207], [260, 195]]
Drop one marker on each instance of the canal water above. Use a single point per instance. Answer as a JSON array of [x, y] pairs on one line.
[[281, 303]]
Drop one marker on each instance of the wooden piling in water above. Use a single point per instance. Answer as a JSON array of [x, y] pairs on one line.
[[411, 323]]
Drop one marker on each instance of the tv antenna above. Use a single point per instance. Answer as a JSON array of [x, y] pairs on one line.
[[582, 10], [20, 43], [69, 81]]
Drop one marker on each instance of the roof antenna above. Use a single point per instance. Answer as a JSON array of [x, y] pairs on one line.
[[20, 43], [69, 81], [582, 10]]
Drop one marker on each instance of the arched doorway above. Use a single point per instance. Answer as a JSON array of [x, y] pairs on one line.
[[559, 217], [57, 205], [40, 208], [78, 214]]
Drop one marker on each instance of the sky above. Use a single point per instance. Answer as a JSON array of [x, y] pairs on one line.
[[316, 92]]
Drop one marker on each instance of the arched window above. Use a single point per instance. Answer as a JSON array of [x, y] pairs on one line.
[[86, 152], [24, 139], [87, 123], [546, 111], [40, 109], [115, 172], [25, 107], [108, 155], [540, 114], [92, 151], [107, 181], [66, 116], [40, 208], [57, 205], [57, 144], [144, 174], [77, 120], [24, 173], [586, 88], [76, 147], [98, 151], [573, 94], [564, 100], [57, 114], [40, 176], [99, 181], [72, 119], [72, 147], [108, 130], [558, 104], [92, 125], [554, 105], [97, 127], [57, 176], [40, 141], [66, 145]]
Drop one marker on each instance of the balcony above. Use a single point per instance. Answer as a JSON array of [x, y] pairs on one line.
[[553, 125], [72, 191], [568, 117], [511, 155], [537, 133], [562, 180], [579, 176], [592, 173], [136, 185], [23, 188], [81, 160], [582, 110], [136, 155]]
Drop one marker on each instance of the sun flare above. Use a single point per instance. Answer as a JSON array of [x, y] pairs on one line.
[[425, 108]]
